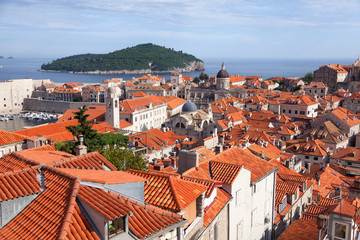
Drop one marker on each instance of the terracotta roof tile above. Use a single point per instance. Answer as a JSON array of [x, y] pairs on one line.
[[287, 187], [10, 137], [220, 201], [169, 192], [19, 183], [172, 101], [231, 160], [47, 216], [102, 176], [146, 219], [153, 138], [300, 228]]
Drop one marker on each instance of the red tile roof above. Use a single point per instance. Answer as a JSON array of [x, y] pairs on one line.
[[209, 183], [130, 105], [147, 220], [169, 192], [102, 176], [172, 101], [220, 201], [19, 183], [93, 160], [299, 229], [10, 137], [287, 187], [231, 160], [124, 124], [47, 216], [153, 138]]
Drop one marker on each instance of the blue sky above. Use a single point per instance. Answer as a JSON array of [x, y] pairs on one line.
[[205, 28]]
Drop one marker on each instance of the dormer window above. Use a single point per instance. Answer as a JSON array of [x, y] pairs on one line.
[[116, 226]]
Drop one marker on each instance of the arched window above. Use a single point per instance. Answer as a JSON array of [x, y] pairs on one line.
[[116, 103]]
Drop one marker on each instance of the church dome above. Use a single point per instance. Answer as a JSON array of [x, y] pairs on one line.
[[189, 107], [223, 73]]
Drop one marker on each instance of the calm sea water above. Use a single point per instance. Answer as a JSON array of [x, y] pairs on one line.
[[21, 123], [28, 68]]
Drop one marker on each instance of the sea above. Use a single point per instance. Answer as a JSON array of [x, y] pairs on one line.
[[19, 68]]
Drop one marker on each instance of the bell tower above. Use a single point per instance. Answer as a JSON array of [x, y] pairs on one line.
[[112, 115]]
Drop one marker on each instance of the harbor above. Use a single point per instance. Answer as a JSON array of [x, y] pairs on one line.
[[15, 122]]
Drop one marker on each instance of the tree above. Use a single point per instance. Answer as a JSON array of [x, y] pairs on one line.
[[124, 159], [297, 88], [308, 78], [196, 80], [203, 76], [90, 136]]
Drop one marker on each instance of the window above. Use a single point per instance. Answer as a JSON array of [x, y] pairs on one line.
[[116, 226], [339, 231], [296, 112], [302, 112], [239, 229], [306, 157], [253, 218], [289, 111], [238, 196], [283, 110], [316, 158]]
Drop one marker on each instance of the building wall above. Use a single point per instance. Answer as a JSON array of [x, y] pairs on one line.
[[38, 105], [13, 93], [152, 117], [295, 212], [221, 221], [292, 110], [4, 149], [10, 208]]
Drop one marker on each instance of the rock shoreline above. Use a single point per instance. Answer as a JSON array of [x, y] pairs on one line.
[[193, 66]]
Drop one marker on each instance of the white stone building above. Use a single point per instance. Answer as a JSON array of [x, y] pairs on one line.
[[13, 92], [251, 182], [144, 113]]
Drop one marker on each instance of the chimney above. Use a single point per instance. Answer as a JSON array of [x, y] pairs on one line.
[[218, 149], [338, 192], [356, 184], [308, 168], [81, 149], [317, 178], [187, 160]]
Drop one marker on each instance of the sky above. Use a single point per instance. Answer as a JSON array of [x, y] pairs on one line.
[[205, 28]]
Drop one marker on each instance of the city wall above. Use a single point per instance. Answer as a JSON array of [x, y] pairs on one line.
[[38, 105]]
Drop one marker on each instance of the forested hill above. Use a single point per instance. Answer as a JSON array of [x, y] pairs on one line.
[[130, 59]]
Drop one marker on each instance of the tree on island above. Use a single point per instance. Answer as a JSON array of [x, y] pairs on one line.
[[111, 145]]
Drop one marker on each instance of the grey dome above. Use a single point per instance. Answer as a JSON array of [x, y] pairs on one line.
[[189, 107], [223, 73]]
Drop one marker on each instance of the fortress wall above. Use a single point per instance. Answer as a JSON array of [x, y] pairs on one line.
[[38, 105]]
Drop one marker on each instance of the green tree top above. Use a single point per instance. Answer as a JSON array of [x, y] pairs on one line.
[[90, 136], [308, 78]]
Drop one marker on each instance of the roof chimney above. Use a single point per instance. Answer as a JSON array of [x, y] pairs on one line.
[[81, 149], [218, 149], [187, 160]]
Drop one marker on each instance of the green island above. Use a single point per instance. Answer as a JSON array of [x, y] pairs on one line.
[[130, 60]]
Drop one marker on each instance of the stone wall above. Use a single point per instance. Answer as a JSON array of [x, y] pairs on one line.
[[38, 105]]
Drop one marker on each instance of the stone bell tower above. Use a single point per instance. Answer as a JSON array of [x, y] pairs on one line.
[[112, 115]]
